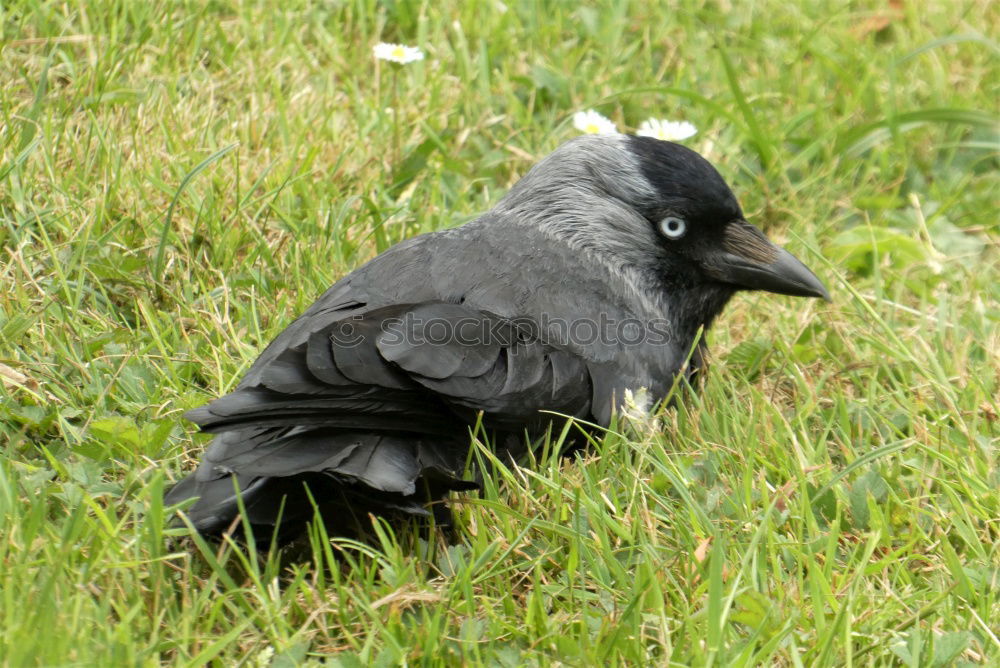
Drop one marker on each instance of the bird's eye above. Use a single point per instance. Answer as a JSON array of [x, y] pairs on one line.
[[673, 227]]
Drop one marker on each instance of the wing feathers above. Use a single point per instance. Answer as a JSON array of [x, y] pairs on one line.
[[372, 405]]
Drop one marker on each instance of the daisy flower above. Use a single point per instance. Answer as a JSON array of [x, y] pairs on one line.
[[666, 130], [398, 53], [592, 123]]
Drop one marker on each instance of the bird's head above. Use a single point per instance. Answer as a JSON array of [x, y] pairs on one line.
[[658, 208]]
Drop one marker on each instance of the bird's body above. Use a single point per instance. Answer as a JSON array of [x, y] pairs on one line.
[[570, 291]]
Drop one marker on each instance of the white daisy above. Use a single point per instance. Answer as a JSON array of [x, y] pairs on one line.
[[398, 53], [592, 123], [666, 130]]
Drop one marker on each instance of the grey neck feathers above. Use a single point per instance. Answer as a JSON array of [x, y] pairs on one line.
[[578, 197], [585, 196]]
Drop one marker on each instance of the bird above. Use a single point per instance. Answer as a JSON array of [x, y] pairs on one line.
[[594, 276]]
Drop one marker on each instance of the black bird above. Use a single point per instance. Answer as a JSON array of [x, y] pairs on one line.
[[592, 276]]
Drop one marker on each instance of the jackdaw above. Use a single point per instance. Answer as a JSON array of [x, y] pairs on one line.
[[592, 276]]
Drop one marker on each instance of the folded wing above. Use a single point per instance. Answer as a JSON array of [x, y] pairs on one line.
[[376, 402]]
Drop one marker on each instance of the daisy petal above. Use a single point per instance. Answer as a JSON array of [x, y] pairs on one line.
[[592, 123], [666, 130], [397, 53]]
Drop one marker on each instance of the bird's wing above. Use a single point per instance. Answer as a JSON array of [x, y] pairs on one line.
[[411, 368], [477, 361], [383, 398]]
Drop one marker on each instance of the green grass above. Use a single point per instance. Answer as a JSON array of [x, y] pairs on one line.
[[179, 179]]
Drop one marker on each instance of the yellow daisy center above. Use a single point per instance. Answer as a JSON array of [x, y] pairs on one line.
[[399, 52]]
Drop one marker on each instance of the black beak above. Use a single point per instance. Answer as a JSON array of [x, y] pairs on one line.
[[749, 260]]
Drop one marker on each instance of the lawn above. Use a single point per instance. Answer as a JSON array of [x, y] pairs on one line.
[[178, 180]]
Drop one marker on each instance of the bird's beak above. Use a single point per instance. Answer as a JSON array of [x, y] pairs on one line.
[[749, 260]]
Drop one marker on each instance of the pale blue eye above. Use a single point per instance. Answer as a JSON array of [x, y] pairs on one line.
[[673, 227]]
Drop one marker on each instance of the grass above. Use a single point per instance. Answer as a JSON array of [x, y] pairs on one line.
[[178, 180]]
